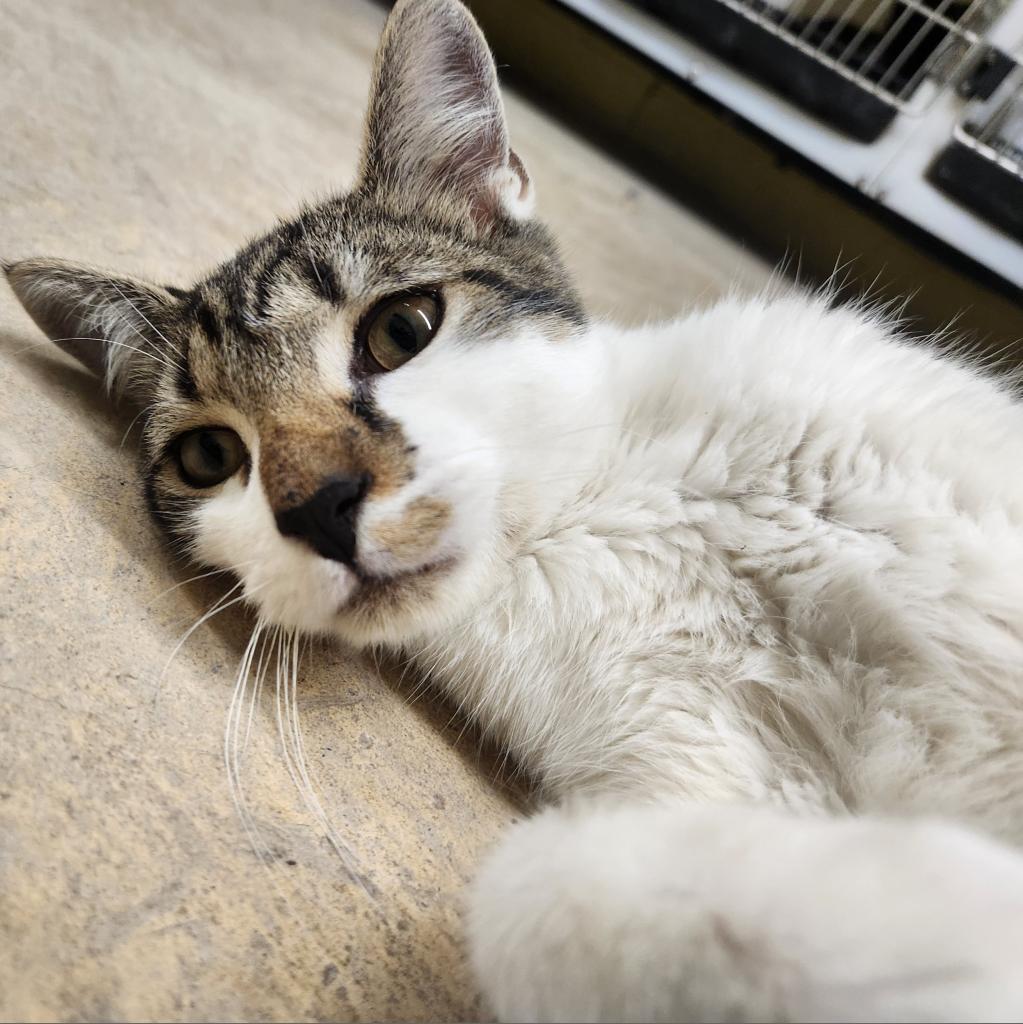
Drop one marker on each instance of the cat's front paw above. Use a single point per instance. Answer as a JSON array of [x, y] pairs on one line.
[[731, 913]]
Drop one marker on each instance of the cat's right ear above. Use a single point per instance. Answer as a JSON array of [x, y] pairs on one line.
[[117, 327]]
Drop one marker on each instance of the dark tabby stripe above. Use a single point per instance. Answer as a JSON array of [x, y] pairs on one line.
[[161, 514], [209, 323], [322, 278], [362, 405], [183, 378], [527, 300], [264, 284]]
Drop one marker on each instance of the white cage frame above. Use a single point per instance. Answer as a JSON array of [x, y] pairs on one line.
[[929, 114]]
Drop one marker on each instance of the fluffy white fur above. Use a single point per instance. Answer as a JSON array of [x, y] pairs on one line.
[[706, 913], [767, 554]]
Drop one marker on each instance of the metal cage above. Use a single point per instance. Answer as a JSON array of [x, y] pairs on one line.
[[889, 48], [917, 103]]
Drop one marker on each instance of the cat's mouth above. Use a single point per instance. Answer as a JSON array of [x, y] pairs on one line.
[[371, 585]]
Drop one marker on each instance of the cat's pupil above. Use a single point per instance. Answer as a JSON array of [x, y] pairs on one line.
[[402, 332], [212, 451]]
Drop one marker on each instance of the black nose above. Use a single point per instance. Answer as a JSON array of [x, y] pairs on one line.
[[327, 520]]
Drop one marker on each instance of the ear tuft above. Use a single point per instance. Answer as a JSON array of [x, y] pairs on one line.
[[114, 326], [436, 126]]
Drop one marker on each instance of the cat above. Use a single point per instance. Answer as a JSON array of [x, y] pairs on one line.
[[742, 592]]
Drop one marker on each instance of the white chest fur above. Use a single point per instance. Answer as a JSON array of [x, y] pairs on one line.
[[791, 574]]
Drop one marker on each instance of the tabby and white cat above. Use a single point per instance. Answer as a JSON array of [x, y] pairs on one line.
[[743, 592]]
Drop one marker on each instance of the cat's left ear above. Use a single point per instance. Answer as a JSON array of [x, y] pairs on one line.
[[117, 327], [436, 127]]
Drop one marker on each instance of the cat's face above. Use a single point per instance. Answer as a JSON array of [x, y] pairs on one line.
[[352, 414]]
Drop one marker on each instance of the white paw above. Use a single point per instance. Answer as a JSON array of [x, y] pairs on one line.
[[731, 913]]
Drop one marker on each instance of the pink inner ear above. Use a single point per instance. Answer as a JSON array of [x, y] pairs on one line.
[[473, 164], [469, 83]]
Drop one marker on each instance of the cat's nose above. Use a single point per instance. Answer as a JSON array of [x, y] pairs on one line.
[[326, 521]]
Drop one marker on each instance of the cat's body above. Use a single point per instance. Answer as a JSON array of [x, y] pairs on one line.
[[743, 593], [785, 565], [788, 572]]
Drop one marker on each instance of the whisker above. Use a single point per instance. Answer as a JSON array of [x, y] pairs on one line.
[[146, 411], [231, 747], [293, 751], [152, 327], [103, 341], [193, 579], [222, 605], [261, 670], [268, 641]]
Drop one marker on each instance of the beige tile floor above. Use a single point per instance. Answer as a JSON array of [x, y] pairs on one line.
[[154, 137]]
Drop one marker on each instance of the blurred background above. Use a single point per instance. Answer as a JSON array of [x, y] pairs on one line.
[[883, 138]]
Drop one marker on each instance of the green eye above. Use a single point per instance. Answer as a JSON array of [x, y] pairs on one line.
[[400, 327], [209, 456]]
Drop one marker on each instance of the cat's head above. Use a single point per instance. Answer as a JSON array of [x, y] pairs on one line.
[[354, 413]]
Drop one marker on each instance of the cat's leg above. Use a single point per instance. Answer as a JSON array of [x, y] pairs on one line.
[[715, 913]]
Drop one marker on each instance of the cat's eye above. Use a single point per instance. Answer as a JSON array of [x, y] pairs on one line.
[[208, 456], [399, 328]]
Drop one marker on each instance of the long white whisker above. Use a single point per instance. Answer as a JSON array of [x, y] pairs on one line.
[[232, 760], [104, 341], [293, 752], [261, 670], [193, 579], [268, 642], [146, 411], [153, 328], [220, 606]]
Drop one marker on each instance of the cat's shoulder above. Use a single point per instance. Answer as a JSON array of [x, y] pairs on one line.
[[809, 344]]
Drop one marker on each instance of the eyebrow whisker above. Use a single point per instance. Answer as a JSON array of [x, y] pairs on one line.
[[152, 326]]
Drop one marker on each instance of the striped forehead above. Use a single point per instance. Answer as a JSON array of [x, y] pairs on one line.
[[252, 325]]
